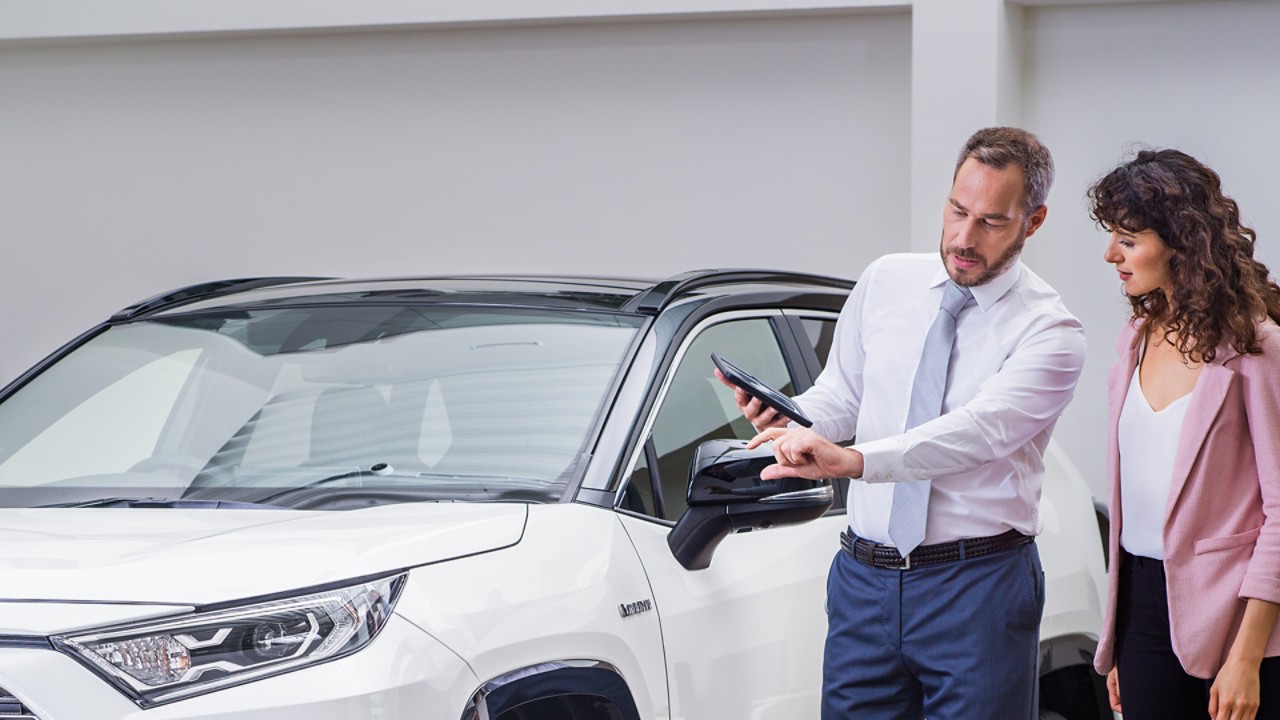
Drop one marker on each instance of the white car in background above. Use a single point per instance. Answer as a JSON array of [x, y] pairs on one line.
[[441, 498]]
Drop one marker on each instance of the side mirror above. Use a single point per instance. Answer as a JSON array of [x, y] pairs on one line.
[[726, 495]]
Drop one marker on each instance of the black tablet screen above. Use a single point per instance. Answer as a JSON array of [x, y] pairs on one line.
[[755, 388]]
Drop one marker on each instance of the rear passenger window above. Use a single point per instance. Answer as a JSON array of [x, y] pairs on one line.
[[819, 334]]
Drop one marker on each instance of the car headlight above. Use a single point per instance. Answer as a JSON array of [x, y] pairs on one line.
[[174, 658]]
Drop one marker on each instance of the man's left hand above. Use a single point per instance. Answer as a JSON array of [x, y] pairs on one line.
[[803, 453]]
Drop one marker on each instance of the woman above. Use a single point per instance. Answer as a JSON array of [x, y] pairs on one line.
[[1194, 461]]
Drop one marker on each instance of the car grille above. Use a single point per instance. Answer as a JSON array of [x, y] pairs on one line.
[[11, 709]]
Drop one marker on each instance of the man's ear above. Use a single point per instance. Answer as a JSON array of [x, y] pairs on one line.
[[1036, 219]]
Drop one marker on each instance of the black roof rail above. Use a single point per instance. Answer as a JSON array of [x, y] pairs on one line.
[[201, 291], [650, 301]]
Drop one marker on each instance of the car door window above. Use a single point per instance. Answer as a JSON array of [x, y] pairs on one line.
[[643, 492], [819, 333], [697, 407]]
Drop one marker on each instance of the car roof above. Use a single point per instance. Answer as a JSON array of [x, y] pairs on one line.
[[609, 294]]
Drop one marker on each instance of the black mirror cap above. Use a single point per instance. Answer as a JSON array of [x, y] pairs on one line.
[[724, 472], [726, 495]]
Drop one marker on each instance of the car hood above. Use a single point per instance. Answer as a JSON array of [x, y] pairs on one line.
[[199, 557]]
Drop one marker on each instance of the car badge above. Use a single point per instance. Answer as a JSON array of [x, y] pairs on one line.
[[635, 608]]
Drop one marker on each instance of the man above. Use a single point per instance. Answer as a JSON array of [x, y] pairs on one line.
[[951, 376]]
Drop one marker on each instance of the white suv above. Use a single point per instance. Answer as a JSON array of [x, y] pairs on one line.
[[440, 498]]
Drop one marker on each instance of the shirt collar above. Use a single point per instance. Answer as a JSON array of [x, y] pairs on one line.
[[988, 293]]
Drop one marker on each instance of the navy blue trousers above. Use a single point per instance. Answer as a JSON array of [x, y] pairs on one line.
[[953, 641]]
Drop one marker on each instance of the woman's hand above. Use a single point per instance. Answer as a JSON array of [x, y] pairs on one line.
[[803, 453], [1113, 689], [1235, 692]]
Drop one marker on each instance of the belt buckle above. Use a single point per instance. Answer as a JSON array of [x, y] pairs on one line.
[[906, 561]]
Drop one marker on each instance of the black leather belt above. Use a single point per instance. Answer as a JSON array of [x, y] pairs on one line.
[[886, 556]]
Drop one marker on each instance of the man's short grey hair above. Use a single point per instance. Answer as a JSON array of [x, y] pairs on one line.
[[999, 147]]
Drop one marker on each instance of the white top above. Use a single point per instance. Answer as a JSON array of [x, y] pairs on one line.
[[1017, 356], [1148, 441]]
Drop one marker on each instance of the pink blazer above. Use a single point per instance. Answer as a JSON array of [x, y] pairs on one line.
[[1222, 524]]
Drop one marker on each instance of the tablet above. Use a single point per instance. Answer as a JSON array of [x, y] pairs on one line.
[[757, 389]]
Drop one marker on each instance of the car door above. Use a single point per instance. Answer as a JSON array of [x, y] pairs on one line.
[[743, 637]]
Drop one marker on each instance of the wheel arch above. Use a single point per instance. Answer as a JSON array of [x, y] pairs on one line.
[[1068, 683], [1066, 650], [593, 678]]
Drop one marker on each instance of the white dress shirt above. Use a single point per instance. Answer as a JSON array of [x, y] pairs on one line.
[[1148, 443], [1017, 356]]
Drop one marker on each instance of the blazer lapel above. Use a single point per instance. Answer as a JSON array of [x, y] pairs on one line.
[[1122, 374], [1206, 400], [1118, 386], [1118, 380]]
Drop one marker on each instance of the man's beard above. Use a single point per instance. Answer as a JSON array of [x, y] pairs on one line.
[[986, 271]]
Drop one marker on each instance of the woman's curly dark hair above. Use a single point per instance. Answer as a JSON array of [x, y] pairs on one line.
[[1219, 288]]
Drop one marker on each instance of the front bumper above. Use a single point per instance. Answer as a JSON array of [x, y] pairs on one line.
[[402, 674]]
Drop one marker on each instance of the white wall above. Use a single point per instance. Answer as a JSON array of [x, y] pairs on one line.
[[143, 148], [638, 149]]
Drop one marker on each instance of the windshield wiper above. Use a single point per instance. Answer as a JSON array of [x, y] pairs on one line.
[[378, 469], [155, 502], [385, 470]]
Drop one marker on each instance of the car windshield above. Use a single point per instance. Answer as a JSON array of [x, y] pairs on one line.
[[315, 408]]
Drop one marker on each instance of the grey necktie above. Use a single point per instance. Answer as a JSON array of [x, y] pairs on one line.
[[911, 499]]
